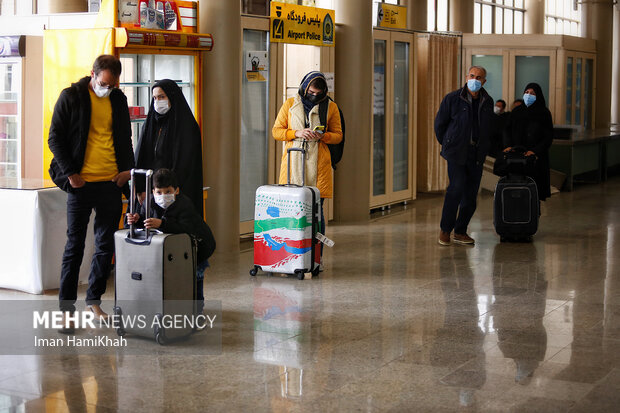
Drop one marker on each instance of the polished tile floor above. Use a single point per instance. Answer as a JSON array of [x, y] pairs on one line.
[[395, 323]]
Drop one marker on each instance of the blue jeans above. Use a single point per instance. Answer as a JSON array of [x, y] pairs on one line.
[[459, 204], [105, 199]]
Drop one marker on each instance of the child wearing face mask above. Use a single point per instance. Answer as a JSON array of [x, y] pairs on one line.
[[173, 212]]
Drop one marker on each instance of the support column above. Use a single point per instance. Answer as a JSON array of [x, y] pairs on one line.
[[534, 17], [417, 12], [221, 119], [354, 50], [615, 69], [598, 16], [461, 16]]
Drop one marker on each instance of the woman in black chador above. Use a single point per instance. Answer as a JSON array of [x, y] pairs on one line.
[[171, 139], [530, 126]]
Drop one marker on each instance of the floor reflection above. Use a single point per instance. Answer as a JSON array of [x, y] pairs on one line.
[[282, 333], [459, 342], [519, 291]]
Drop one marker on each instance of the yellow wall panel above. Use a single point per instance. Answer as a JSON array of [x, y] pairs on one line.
[[68, 56]]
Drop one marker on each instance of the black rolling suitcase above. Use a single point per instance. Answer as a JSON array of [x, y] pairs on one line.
[[516, 203]]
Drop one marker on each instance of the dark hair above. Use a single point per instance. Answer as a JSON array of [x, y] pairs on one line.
[[319, 83], [164, 178], [502, 101], [518, 100], [107, 62]]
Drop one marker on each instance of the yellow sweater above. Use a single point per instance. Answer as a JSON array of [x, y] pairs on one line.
[[100, 157], [281, 131]]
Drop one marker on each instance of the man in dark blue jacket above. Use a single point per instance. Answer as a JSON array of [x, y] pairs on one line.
[[90, 137], [464, 125]]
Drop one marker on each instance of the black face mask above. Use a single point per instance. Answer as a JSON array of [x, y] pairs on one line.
[[315, 98]]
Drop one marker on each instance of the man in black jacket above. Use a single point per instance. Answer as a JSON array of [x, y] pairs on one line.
[[90, 137], [464, 125]]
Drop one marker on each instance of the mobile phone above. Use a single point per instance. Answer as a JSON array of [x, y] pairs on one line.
[[319, 129]]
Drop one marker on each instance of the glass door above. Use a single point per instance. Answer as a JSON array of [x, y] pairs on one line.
[[539, 66], [393, 137], [379, 130], [401, 124], [579, 89], [255, 122], [10, 117]]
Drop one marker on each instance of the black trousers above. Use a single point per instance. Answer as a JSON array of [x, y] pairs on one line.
[[105, 199]]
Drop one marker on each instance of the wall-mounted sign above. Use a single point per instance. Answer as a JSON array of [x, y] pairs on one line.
[[12, 46], [128, 38], [391, 15], [256, 66], [330, 78], [291, 23]]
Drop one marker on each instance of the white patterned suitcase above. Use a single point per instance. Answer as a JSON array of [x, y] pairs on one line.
[[286, 220]]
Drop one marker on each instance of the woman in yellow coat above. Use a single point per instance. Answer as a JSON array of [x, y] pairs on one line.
[[297, 124]]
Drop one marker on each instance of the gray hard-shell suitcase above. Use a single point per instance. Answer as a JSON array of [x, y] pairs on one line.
[[155, 278]]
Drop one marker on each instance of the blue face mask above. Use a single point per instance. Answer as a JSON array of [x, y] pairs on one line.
[[529, 99], [474, 85]]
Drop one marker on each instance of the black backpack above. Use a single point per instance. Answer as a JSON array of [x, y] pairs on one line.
[[335, 149]]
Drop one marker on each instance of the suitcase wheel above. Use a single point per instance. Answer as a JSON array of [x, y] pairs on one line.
[[300, 274], [159, 337], [315, 272], [253, 271], [120, 332]]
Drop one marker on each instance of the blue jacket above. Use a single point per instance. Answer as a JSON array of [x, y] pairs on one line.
[[453, 125]]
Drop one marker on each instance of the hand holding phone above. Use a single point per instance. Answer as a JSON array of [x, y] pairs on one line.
[[319, 129]]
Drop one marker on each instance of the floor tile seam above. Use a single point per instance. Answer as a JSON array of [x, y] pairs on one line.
[[556, 307], [20, 394]]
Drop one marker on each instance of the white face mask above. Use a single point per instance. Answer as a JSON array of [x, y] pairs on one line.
[[161, 106], [101, 91], [497, 110], [164, 200]]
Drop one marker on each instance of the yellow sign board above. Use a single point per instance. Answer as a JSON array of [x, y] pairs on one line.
[[291, 23], [391, 15]]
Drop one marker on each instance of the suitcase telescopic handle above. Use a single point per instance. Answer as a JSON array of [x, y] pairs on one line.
[[303, 165], [148, 174]]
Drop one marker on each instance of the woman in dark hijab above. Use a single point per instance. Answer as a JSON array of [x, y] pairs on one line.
[[530, 126], [171, 139]]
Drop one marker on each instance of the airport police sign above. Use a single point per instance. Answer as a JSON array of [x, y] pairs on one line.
[[291, 23]]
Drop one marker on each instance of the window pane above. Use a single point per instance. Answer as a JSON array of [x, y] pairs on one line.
[[508, 3], [430, 15], [508, 22], [487, 19], [518, 29], [519, 3], [10, 134], [260, 7], [255, 128], [532, 69], [493, 66], [499, 12], [569, 90], [442, 15], [587, 94], [477, 18], [378, 146], [401, 117], [578, 90]]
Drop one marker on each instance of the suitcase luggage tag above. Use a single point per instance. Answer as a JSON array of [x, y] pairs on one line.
[[326, 241]]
